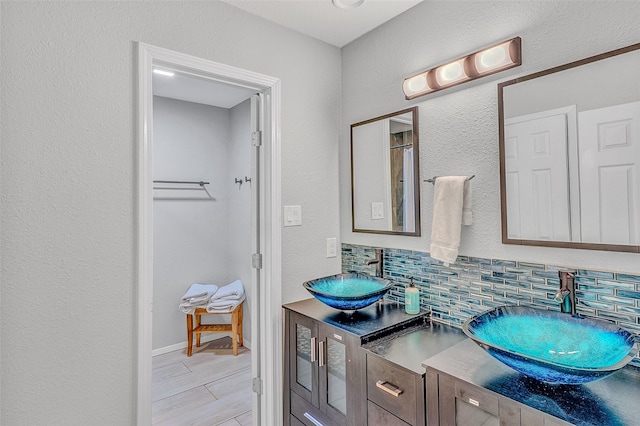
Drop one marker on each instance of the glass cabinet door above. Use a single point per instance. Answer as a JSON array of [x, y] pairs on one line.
[[336, 375], [303, 358]]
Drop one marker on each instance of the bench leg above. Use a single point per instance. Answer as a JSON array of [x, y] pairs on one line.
[[189, 334], [234, 331], [198, 318], [240, 327]]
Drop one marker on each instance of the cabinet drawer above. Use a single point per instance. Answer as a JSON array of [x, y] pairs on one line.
[[377, 416], [392, 388], [477, 397], [306, 413]]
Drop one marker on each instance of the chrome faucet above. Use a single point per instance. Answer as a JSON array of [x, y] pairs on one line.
[[566, 296], [378, 262]]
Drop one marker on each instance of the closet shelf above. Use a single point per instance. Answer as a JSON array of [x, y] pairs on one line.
[[183, 182]]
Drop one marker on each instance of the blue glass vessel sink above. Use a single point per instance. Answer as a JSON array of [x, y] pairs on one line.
[[551, 346], [348, 292]]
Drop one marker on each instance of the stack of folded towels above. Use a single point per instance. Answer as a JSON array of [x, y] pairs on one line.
[[215, 299], [227, 298], [198, 296]]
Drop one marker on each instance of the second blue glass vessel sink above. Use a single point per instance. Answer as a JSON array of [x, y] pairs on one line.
[[348, 292], [551, 346]]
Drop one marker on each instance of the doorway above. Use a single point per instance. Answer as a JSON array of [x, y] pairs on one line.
[[266, 370]]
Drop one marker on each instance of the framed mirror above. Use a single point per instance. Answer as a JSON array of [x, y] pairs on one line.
[[570, 154], [385, 184]]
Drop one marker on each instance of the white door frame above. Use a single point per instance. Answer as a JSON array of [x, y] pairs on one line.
[[270, 399]]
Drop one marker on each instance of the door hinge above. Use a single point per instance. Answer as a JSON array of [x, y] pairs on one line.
[[256, 138], [256, 261], [257, 385]]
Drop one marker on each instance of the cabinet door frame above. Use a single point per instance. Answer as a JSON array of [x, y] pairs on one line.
[[312, 396], [326, 333]]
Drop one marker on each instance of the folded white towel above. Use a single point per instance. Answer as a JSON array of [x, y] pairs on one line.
[[188, 308], [218, 306], [451, 208], [199, 292], [232, 291]]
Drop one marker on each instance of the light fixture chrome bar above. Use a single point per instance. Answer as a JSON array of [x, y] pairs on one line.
[[499, 57]]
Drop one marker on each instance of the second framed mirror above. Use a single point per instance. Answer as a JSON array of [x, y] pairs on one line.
[[385, 184]]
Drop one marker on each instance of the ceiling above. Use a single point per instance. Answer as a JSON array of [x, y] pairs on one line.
[[319, 19], [322, 20]]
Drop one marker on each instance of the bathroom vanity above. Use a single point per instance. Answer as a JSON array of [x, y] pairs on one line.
[[381, 366]]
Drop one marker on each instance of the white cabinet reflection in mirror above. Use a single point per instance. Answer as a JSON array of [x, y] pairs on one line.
[[570, 154], [384, 174]]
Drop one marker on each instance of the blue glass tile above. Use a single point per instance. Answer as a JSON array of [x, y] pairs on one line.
[[595, 289], [535, 280], [589, 296], [493, 280], [617, 300], [519, 271], [505, 275], [617, 317], [460, 292], [595, 274], [628, 277], [594, 304], [629, 309], [582, 310], [530, 265], [494, 268], [518, 284], [472, 301], [585, 280], [532, 293], [545, 274], [509, 263], [492, 304], [631, 294], [618, 284], [479, 260], [492, 291]]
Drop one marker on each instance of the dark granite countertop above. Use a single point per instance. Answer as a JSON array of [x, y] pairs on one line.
[[609, 401], [372, 322], [408, 348]]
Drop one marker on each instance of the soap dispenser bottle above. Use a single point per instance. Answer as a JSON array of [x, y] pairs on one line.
[[412, 299]]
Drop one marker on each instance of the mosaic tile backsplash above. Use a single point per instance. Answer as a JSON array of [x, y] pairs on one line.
[[473, 285]]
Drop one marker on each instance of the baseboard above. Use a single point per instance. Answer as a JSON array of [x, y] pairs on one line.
[[203, 339]]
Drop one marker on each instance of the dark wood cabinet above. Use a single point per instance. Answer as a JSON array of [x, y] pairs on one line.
[[396, 391], [455, 402], [325, 373]]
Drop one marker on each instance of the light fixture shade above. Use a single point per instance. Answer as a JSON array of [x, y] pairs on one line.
[[499, 57]]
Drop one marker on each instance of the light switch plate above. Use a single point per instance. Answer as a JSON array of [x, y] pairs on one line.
[[377, 210], [292, 215], [331, 247]]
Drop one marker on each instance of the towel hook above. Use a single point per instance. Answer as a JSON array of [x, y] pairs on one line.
[[433, 179]]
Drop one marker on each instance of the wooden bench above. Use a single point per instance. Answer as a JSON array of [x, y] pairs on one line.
[[235, 327]]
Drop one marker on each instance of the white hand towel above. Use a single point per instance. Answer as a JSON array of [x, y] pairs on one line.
[[451, 209], [234, 290], [198, 292], [217, 306]]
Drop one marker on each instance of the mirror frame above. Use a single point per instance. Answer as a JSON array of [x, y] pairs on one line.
[[503, 191], [416, 173]]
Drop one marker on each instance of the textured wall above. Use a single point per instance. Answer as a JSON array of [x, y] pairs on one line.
[[68, 117], [459, 126]]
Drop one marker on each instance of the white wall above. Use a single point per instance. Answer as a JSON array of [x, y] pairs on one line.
[[459, 126], [68, 118], [199, 235]]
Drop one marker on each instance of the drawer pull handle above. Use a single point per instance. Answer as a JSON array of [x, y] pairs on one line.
[[474, 402], [313, 349], [312, 419], [389, 388]]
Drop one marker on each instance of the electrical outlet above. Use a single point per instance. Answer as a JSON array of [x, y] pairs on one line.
[[332, 245]]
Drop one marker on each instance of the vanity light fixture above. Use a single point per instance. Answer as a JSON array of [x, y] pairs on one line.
[[499, 57], [347, 4]]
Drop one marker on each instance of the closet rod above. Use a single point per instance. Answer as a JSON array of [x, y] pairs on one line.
[[201, 183]]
